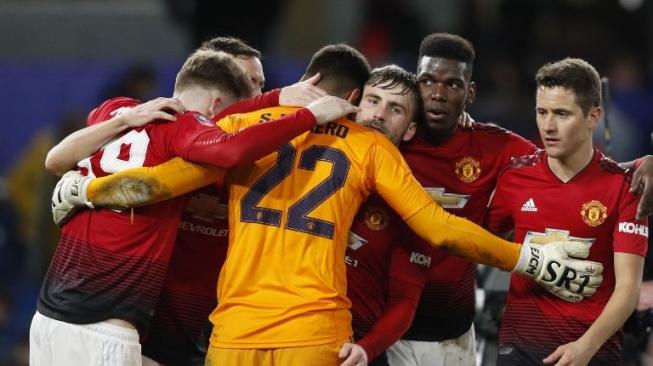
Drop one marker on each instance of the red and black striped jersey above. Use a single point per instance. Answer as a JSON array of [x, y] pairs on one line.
[[460, 174], [594, 207]]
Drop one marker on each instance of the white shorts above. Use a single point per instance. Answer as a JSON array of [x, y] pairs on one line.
[[453, 352], [150, 362], [56, 343]]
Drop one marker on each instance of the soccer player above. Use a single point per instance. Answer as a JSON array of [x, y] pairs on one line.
[[385, 273], [569, 190], [100, 291], [177, 331], [458, 166], [282, 288], [188, 293], [246, 56]]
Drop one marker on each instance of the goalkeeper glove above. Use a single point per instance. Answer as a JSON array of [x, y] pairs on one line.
[[68, 196], [556, 267]]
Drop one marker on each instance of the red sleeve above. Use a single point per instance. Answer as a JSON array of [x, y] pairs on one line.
[[630, 236], [411, 260], [498, 218], [397, 317], [110, 109], [225, 150], [265, 100], [518, 146]]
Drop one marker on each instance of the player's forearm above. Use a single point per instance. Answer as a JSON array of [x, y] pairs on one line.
[[628, 164], [397, 317], [265, 100], [144, 186], [621, 305], [249, 144], [463, 238], [81, 144], [634, 164]]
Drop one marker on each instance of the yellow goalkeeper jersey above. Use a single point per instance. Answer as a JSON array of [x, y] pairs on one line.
[[284, 283]]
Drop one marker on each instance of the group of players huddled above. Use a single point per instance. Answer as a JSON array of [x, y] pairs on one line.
[[323, 214]]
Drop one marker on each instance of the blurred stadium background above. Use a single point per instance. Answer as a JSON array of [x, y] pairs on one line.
[[60, 58]]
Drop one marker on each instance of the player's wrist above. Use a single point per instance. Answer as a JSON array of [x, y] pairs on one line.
[[307, 116], [120, 123], [367, 348], [588, 342], [75, 191], [530, 261], [83, 192]]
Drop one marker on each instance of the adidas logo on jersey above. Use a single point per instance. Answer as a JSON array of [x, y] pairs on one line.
[[529, 206]]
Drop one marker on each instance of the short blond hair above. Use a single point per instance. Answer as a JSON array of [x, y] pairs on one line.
[[213, 69]]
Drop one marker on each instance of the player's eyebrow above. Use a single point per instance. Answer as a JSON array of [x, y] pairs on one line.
[[372, 95]]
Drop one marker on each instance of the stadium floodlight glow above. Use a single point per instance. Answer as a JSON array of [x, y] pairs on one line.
[[631, 5]]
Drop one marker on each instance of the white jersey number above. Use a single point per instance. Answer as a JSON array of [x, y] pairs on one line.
[[137, 141]]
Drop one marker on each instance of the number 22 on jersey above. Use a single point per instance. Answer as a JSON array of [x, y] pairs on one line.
[[298, 213]]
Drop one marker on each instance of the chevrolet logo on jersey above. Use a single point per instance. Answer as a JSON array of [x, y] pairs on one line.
[[556, 273], [552, 235], [447, 200], [356, 241], [207, 207]]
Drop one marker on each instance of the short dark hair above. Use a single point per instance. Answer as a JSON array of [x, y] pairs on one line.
[[343, 64], [211, 69], [392, 76], [575, 74], [231, 45], [449, 46]]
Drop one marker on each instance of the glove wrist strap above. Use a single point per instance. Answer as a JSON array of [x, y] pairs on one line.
[[530, 261]]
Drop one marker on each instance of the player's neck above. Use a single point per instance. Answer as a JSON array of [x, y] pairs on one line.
[[197, 99], [565, 168], [436, 138]]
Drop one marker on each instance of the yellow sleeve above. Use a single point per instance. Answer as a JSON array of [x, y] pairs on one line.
[[147, 185], [463, 238], [144, 186], [233, 123], [394, 181]]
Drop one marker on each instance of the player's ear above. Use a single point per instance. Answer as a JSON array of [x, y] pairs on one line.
[[471, 94], [216, 106], [594, 116], [410, 132], [354, 96]]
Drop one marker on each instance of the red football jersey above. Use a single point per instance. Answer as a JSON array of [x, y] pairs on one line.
[[111, 264], [375, 253], [593, 207], [460, 175], [188, 294]]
